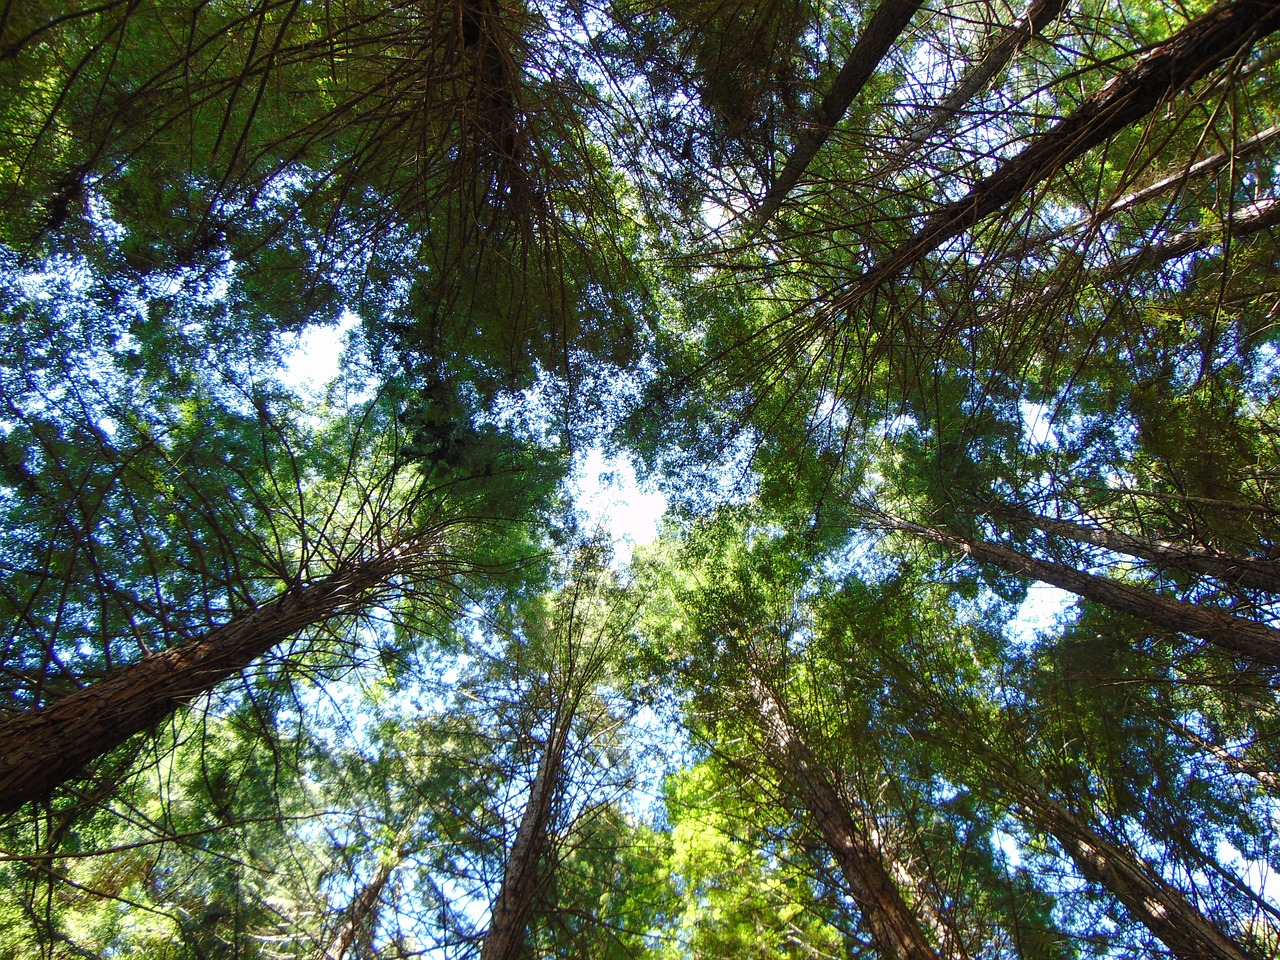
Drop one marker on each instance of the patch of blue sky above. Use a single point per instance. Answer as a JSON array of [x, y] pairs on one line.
[[936, 64], [1264, 375], [659, 747], [1008, 846]]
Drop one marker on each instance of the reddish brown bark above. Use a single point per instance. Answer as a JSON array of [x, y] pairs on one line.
[[895, 929], [1194, 51], [883, 30], [47, 747], [1161, 908], [1012, 39], [1243, 638], [360, 915], [523, 875], [1249, 572]]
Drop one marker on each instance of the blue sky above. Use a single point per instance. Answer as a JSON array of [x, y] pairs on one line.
[[604, 488]]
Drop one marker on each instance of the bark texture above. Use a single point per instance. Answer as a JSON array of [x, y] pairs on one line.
[[883, 30], [1171, 67], [360, 916], [1162, 909], [47, 747], [1249, 572], [523, 876], [1012, 39], [1247, 639], [895, 929]]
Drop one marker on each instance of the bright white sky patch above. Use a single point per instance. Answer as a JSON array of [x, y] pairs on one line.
[[1040, 611], [1257, 874], [317, 355], [1038, 424], [606, 489], [1008, 846]]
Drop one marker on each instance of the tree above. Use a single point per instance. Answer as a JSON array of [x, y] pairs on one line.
[[1243, 638], [573, 644], [46, 747], [908, 309], [1089, 796], [776, 720]]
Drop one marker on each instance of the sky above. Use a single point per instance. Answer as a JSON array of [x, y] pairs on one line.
[[604, 488]]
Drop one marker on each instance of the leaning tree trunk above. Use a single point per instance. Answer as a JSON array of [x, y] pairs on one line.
[[1239, 152], [1161, 908], [1173, 66], [1252, 572], [46, 747], [361, 915], [1269, 779], [523, 875], [1247, 639], [1240, 224], [1012, 39], [883, 29], [895, 929]]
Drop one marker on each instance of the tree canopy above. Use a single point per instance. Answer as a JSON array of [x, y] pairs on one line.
[[949, 335]]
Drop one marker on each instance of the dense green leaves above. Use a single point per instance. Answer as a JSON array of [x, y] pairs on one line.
[[905, 309]]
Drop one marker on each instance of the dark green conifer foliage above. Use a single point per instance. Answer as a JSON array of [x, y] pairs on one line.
[[911, 311]]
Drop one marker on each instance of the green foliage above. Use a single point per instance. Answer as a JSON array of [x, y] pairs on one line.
[[984, 340], [190, 863], [743, 888]]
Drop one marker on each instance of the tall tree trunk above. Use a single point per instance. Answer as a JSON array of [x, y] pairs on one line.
[[361, 913], [1201, 168], [46, 747], [1161, 908], [523, 876], [895, 929], [1269, 779], [883, 29], [582, 640], [1241, 223], [1249, 572], [1243, 638], [1174, 65], [1012, 39], [1246, 220]]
